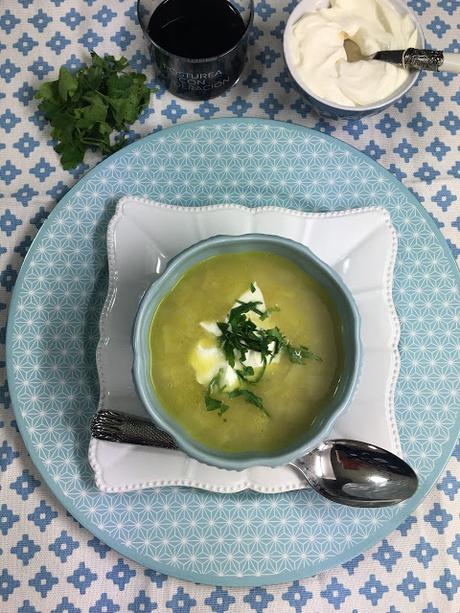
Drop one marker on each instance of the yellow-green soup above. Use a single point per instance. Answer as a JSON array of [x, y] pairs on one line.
[[293, 394]]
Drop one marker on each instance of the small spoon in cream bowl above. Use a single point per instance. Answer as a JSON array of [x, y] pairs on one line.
[[416, 59]]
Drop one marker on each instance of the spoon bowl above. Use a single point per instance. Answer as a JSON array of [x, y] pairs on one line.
[[357, 474], [353, 51]]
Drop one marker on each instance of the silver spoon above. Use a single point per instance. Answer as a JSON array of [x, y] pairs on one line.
[[419, 59], [347, 472], [357, 474]]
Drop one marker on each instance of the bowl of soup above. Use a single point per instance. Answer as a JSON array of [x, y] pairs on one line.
[[246, 350]]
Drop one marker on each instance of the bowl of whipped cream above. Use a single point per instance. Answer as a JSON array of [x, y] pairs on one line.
[[315, 54]]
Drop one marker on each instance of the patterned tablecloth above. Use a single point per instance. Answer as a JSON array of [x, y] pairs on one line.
[[48, 562]]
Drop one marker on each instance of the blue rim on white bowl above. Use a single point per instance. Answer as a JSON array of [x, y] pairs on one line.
[[350, 337], [326, 108]]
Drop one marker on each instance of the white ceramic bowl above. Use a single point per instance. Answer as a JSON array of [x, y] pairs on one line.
[[325, 107]]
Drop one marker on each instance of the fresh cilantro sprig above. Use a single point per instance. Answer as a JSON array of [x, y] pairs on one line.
[[85, 108], [239, 334]]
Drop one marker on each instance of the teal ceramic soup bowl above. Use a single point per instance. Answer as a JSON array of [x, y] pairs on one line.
[[349, 330]]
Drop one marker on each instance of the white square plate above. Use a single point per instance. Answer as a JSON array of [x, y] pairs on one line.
[[143, 235]]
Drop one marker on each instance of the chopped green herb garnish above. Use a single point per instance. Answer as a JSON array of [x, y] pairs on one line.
[[247, 374], [297, 355], [249, 397], [213, 404], [246, 371], [239, 334]]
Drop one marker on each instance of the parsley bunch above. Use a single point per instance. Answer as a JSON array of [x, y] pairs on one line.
[[85, 108]]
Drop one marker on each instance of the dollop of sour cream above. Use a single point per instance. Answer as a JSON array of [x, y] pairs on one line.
[[208, 359], [316, 43]]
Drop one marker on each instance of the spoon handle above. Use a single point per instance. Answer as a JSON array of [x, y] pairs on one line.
[[421, 59], [122, 428], [451, 63]]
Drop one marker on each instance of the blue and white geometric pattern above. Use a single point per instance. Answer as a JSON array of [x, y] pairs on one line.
[[50, 563]]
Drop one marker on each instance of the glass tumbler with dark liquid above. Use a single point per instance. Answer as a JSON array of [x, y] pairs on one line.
[[198, 46]]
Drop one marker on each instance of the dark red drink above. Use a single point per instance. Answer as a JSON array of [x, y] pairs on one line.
[[199, 46]]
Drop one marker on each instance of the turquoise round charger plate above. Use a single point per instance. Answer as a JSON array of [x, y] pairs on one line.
[[245, 538]]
